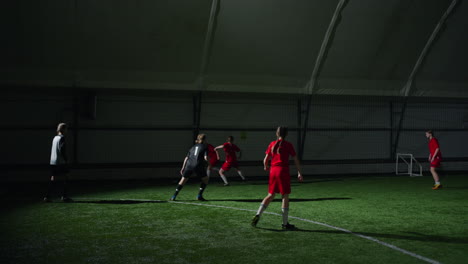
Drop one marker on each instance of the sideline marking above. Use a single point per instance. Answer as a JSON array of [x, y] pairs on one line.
[[293, 217]]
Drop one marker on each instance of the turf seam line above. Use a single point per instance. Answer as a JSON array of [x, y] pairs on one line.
[[300, 219]]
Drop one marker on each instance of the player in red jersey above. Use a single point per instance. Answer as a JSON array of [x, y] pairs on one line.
[[213, 158], [280, 180], [230, 150], [435, 158]]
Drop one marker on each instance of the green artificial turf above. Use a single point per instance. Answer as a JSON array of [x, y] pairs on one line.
[[133, 222]]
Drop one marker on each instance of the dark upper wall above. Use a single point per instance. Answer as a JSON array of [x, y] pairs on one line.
[[261, 46]]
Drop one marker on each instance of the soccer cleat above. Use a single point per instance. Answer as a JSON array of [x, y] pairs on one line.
[[437, 186], [66, 199], [200, 198], [172, 198], [226, 184], [255, 220], [288, 227], [47, 200]]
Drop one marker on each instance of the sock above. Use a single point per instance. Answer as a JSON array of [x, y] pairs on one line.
[[202, 189], [50, 188], [224, 178], [240, 174], [65, 190], [261, 209], [177, 190], [285, 215], [437, 182]]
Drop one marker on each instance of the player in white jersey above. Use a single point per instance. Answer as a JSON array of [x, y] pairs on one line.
[[59, 163]]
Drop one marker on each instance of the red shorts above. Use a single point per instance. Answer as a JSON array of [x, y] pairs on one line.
[[280, 180], [213, 161], [228, 165], [436, 162]]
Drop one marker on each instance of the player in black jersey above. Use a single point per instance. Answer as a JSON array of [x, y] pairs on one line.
[[195, 162]]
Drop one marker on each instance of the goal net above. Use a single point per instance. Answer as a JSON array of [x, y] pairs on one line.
[[406, 164]]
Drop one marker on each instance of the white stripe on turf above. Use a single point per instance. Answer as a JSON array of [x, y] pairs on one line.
[[293, 217]]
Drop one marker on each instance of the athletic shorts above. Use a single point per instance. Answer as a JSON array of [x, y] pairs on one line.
[[213, 162], [200, 171], [436, 162], [57, 170], [228, 165], [280, 180]]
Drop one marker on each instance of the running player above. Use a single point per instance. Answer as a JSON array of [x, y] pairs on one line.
[[213, 159], [230, 150], [435, 158], [193, 162], [59, 163], [280, 181]]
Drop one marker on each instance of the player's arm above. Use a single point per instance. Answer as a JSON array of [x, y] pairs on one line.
[[218, 147], [240, 154], [62, 149], [299, 170], [205, 155], [266, 162], [435, 154], [216, 150], [183, 166]]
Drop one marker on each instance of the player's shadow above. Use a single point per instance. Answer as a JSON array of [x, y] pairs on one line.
[[294, 183], [279, 200], [117, 201], [414, 237]]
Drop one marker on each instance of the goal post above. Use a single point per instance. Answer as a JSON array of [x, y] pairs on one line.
[[409, 163]]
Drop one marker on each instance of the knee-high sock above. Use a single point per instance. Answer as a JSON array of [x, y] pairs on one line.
[[224, 178], [240, 174], [65, 189], [179, 187], [285, 215], [50, 188], [261, 209], [202, 189]]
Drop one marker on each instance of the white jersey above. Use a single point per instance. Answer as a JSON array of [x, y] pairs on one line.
[[58, 154]]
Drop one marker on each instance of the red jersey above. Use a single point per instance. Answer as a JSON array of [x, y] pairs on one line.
[[279, 151], [433, 145], [212, 152], [230, 150]]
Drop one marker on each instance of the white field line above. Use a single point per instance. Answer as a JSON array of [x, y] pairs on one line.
[[293, 217]]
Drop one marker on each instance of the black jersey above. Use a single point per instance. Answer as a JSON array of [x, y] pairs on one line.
[[196, 155]]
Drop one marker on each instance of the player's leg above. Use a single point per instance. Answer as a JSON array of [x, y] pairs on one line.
[[285, 212], [180, 185], [436, 177], [50, 188], [263, 206], [64, 173], [221, 172], [240, 173], [285, 190], [204, 182]]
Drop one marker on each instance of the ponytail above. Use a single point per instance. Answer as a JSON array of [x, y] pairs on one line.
[[200, 139], [281, 132]]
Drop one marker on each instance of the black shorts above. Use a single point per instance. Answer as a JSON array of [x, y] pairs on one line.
[[199, 170], [57, 170]]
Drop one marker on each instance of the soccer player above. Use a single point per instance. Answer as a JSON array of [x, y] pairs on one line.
[[280, 180], [230, 150], [435, 158], [59, 163], [193, 162], [213, 159]]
